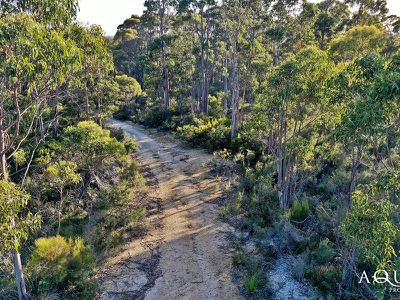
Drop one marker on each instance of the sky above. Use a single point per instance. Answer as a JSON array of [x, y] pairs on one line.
[[110, 13]]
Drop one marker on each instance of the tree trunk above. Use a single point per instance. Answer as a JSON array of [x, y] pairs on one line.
[[86, 182], [204, 71], [98, 113], [41, 127], [235, 89], [356, 161], [19, 276], [166, 102], [87, 105], [279, 168], [60, 211], [276, 55], [3, 161], [347, 273], [226, 87]]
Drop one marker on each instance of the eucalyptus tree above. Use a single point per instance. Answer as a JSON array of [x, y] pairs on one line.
[[15, 226], [34, 63], [55, 14], [368, 12], [358, 41], [236, 22], [158, 11], [97, 66], [199, 13], [369, 121], [331, 20], [288, 110], [128, 45], [282, 19]]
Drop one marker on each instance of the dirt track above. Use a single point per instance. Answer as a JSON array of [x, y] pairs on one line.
[[187, 253]]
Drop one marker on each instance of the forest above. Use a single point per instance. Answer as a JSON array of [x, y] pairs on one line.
[[276, 122]]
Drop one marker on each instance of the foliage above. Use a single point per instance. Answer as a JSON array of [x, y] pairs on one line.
[[324, 253], [128, 87], [121, 215], [251, 283], [325, 277], [358, 41], [300, 210], [158, 116], [63, 264], [369, 226], [90, 145], [212, 134], [15, 223], [62, 173]]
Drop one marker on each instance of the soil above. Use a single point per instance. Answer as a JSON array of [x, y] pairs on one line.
[[187, 252]]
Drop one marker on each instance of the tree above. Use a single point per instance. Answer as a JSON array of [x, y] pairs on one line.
[[15, 226], [129, 88], [362, 119], [292, 103], [33, 64], [236, 23], [54, 14], [92, 78], [91, 148], [128, 46], [199, 13], [332, 19], [368, 12], [370, 227], [357, 42], [59, 175], [158, 10]]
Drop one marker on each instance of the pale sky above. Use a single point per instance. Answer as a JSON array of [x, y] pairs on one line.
[[110, 13]]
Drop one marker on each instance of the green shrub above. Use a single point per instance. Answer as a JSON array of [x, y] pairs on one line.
[[324, 253], [249, 180], [300, 210], [73, 225], [239, 258], [124, 113], [132, 175], [251, 283], [157, 116], [215, 107], [208, 133], [324, 277], [112, 229], [299, 267], [57, 263]]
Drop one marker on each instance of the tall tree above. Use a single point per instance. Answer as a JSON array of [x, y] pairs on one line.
[[34, 62], [159, 11], [289, 108]]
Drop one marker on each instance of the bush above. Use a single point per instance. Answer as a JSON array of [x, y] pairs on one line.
[[300, 210], [157, 116], [57, 263], [124, 113], [251, 283], [73, 225], [325, 277], [324, 253], [211, 134], [239, 258]]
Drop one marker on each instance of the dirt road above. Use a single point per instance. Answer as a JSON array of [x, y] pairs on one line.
[[187, 253]]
